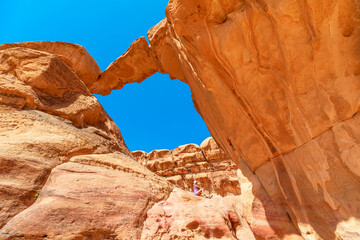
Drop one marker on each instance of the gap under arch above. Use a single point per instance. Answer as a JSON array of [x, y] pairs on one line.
[[155, 114]]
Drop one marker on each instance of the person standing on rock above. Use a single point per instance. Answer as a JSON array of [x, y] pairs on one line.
[[197, 190]]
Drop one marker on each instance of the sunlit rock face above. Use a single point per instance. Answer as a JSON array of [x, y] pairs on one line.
[[47, 116], [218, 176], [56, 139], [98, 196], [277, 83], [75, 56], [67, 173], [207, 164], [190, 217]]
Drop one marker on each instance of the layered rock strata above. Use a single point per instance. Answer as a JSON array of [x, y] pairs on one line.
[[207, 164], [277, 83]]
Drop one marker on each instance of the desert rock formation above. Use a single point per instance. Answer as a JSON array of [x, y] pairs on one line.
[[218, 176], [47, 116], [55, 133], [57, 140], [277, 83], [207, 164], [98, 196]]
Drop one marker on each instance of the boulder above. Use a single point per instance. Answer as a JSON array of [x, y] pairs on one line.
[[75, 56]]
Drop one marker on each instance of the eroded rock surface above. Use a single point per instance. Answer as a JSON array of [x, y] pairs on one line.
[[207, 164], [99, 196], [218, 176], [277, 83], [185, 216], [137, 64], [76, 56], [47, 116]]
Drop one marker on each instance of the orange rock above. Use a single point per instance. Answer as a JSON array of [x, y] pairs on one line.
[[47, 115], [207, 164], [166, 55], [75, 56], [270, 79], [185, 216], [277, 83], [135, 65], [320, 183], [99, 196], [218, 176]]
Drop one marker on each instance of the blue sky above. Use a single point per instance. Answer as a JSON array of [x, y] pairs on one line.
[[155, 114]]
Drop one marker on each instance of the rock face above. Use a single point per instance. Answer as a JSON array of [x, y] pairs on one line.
[[43, 102], [189, 217], [207, 164], [98, 196], [218, 176], [53, 132], [75, 56], [56, 139], [277, 83]]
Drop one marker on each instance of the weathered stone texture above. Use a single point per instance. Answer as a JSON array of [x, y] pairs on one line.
[[207, 164], [137, 64], [76, 56], [99, 196], [189, 217], [47, 116]]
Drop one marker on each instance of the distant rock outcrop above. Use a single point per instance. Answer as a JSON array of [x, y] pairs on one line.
[[207, 164]]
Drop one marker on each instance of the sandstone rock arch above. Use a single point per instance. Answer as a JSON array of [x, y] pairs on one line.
[[278, 87]]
